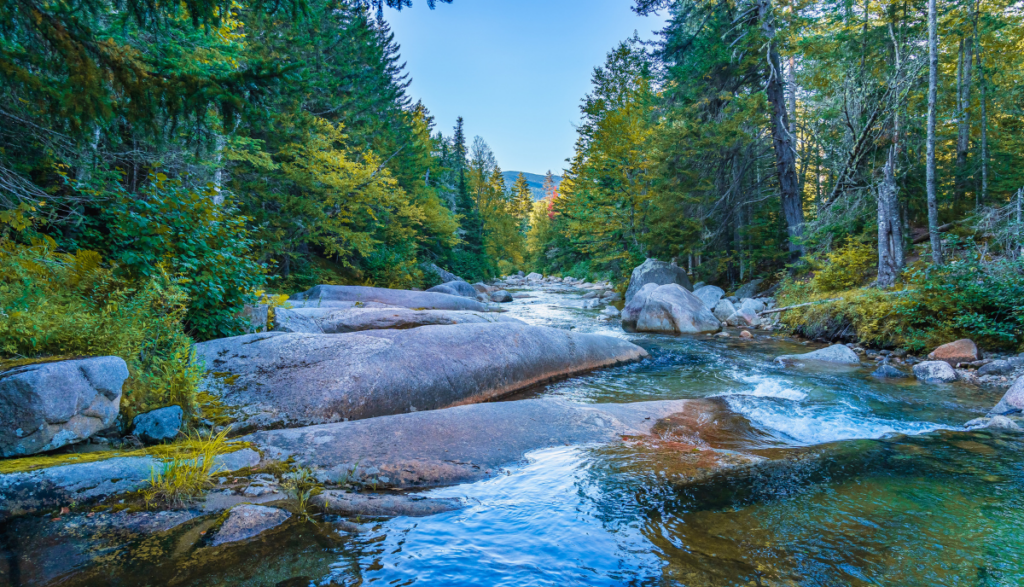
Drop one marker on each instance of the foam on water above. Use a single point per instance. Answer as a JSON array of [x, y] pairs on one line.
[[815, 424], [768, 387]]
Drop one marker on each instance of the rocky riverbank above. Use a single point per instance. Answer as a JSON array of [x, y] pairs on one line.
[[332, 416]]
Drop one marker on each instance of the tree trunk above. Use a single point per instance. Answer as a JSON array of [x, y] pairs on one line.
[[984, 133], [933, 83], [890, 233], [963, 138], [738, 203], [782, 140]]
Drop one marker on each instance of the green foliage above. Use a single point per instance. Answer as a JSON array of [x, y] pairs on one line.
[[968, 298], [971, 297], [55, 304], [847, 268], [169, 228]]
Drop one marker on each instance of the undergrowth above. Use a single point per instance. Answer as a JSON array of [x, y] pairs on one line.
[[973, 296], [58, 305], [186, 477]]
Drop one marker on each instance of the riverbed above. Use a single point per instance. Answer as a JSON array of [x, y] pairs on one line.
[[872, 486]]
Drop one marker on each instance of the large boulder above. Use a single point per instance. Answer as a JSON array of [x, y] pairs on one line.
[[724, 309], [960, 351], [1013, 399], [501, 296], [837, 353], [752, 306], [934, 372], [341, 320], [670, 309], [631, 311], [158, 425], [49, 405], [535, 277], [443, 289], [709, 294], [443, 275], [743, 317], [748, 290], [392, 297], [277, 379], [659, 272], [459, 287]]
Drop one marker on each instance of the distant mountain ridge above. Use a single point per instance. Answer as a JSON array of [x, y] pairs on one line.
[[535, 181]]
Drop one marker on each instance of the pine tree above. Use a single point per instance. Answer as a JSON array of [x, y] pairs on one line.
[[522, 201]]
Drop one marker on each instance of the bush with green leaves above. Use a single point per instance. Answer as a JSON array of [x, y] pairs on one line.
[[969, 297], [57, 305], [170, 228]]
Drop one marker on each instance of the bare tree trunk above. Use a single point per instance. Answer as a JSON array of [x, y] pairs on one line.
[[890, 233], [984, 132], [933, 83], [738, 203], [785, 150], [963, 139]]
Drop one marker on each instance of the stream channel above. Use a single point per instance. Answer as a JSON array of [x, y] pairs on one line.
[[874, 487]]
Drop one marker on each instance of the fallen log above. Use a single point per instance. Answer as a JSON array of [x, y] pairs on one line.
[[798, 306]]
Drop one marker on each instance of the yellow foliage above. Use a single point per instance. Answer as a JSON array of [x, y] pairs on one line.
[[185, 478], [58, 305], [849, 267]]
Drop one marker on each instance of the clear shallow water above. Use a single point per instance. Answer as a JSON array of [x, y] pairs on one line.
[[870, 506]]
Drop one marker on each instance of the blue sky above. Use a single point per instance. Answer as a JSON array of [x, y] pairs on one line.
[[516, 70]]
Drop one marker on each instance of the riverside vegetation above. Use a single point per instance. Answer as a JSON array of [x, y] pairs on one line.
[[167, 169]]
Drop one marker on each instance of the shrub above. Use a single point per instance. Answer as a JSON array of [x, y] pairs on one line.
[[971, 297], [849, 267], [170, 228], [56, 304]]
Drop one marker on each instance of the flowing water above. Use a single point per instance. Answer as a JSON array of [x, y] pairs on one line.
[[871, 487]]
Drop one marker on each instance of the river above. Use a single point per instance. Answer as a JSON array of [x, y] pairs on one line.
[[871, 488]]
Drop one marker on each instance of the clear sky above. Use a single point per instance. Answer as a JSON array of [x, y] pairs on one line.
[[516, 70]]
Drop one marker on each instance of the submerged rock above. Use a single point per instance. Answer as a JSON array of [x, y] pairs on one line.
[[709, 294], [935, 372], [997, 423], [888, 372], [996, 368], [462, 443], [836, 353], [671, 309], [961, 351], [345, 503], [248, 521], [45, 406], [159, 425], [341, 320], [392, 297], [1013, 400], [277, 379], [657, 272]]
